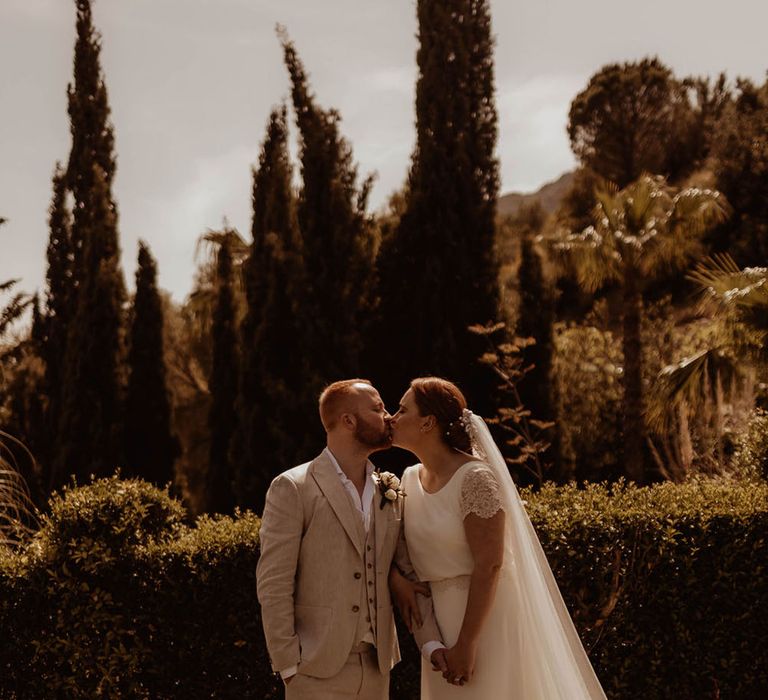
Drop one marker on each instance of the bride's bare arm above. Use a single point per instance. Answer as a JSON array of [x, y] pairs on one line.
[[485, 537]]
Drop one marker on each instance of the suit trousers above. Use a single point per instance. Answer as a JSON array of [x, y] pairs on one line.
[[359, 679]]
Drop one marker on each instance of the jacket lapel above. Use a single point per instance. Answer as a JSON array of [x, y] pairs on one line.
[[328, 480], [381, 518]]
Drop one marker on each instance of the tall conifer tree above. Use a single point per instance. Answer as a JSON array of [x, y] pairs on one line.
[[90, 429], [223, 386], [535, 320], [92, 132], [438, 269], [57, 314], [274, 390], [150, 448], [336, 233]]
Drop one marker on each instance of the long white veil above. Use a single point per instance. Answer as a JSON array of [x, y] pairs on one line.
[[555, 665]]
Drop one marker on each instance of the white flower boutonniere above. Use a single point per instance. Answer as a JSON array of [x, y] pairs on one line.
[[389, 487]]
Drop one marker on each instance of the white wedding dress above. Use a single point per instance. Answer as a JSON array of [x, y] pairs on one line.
[[528, 648]]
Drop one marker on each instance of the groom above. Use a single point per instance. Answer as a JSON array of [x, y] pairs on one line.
[[326, 551]]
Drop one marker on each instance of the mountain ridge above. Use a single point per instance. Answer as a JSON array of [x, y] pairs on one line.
[[549, 195]]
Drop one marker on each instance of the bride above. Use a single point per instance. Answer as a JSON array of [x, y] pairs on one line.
[[507, 631]]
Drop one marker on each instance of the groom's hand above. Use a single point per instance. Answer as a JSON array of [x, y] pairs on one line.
[[404, 592]]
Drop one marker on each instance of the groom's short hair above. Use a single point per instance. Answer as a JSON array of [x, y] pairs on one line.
[[333, 399]]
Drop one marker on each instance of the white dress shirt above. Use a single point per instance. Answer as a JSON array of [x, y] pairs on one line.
[[364, 503]]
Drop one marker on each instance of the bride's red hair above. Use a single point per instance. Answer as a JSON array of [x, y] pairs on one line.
[[442, 399]]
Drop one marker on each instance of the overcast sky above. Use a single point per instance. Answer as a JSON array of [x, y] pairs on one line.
[[191, 84]]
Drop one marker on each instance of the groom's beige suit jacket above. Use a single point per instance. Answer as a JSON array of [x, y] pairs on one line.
[[312, 566]]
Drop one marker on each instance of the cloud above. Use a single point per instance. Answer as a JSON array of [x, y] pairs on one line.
[[533, 145], [215, 187], [39, 10]]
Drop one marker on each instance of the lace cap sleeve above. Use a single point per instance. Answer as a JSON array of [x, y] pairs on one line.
[[480, 493]]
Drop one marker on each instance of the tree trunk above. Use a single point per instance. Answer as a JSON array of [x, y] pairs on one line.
[[633, 425]]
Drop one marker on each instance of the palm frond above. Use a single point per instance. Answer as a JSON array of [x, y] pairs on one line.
[[5, 286], [695, 210], [691, 380], [18, 514], [723, 280], [641, 200], [13, 311], [607, 207], [688, 215], [208, 244]]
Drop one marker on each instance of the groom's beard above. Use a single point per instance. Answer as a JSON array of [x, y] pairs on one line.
[[373, 437]]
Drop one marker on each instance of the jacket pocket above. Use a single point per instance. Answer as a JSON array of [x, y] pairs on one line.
[[313, 625]]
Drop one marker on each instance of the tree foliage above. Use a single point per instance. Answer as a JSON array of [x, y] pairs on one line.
[[89, 422], [91, 426], [535, 320], [741, 172], [150, 448], [223, 387], [439, 272], [276, 390], [337, 240], [638, 232], [637, 117]]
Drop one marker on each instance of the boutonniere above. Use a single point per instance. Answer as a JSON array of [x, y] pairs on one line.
[[389, 487]]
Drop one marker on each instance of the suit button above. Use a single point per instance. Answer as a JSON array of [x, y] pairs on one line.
[[369, 548], [357, 574], [370, 600], [355, 608], [370, 566], [370, 583]]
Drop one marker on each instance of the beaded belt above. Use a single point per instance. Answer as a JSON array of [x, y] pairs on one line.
[[448, 583]]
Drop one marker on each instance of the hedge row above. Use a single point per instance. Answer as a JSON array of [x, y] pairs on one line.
[[118, 597]]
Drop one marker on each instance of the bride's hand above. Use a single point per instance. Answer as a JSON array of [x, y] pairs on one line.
[[404, 592], [461, 663]]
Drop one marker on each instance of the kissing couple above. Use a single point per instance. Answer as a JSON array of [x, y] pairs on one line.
[[451, 543]]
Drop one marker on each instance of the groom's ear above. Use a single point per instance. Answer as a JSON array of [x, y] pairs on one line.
[[348, 421]]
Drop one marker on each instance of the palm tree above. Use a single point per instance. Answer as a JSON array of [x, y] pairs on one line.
[[13, 310], [739, 299], [741, 295], [638, 232], [202, 299]]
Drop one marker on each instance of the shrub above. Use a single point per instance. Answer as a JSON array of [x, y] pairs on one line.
[[666, 584], [587, 368], [751, 455]]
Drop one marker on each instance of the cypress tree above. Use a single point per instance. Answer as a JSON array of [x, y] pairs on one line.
[[92, 133], [337, 238], [150, 448], [535, 320], [57, 313], [273, 388], [37, 332], [223, 386], [89, 429], [439, 273]]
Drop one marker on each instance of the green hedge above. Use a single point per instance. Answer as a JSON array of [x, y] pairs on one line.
[[118, 597]]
